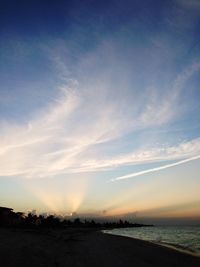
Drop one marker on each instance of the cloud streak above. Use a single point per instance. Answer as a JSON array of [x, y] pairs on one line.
[[156, 154], [131, 175]]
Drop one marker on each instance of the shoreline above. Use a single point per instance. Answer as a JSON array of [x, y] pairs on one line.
[[178, 248], [85, 247], [175, 247]]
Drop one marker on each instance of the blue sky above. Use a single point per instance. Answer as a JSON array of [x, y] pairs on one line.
[[99, 106]]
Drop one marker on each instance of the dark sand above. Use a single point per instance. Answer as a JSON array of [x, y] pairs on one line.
[[82, 247]]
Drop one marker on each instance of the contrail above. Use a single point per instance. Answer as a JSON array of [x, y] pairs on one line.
[[154, 169]]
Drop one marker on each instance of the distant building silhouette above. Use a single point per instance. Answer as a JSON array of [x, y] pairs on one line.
[[8, 217]]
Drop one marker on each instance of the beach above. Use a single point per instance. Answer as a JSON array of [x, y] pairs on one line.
[[84, 247]]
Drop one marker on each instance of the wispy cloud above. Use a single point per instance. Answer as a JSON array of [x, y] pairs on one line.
[[59, 138], [185, 75], [180, 151]]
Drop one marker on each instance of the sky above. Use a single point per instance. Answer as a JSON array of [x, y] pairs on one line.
[[99, 108]]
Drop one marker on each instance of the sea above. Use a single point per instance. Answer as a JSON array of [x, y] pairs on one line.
[[185, 238]]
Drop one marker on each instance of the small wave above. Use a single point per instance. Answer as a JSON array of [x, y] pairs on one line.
[[178, 247]]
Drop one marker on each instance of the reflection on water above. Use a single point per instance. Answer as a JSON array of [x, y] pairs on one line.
[[187, 237]]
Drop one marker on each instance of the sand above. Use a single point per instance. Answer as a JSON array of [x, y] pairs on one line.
[[82, 247]]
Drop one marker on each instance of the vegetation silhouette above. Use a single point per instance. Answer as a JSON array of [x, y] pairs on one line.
[[9, 218]]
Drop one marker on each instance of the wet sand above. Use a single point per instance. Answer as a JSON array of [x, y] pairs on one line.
[[82, 247]]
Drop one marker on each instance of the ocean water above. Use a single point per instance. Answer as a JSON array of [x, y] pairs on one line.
[[181, 237]]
